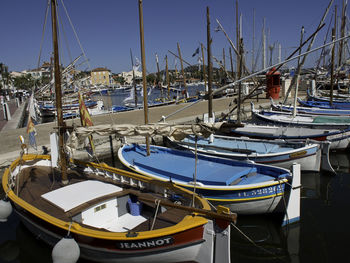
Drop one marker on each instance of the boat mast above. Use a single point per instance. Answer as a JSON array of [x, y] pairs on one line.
[[204, 77], [144, 83], [210, 69], [159, 84], [237, 38], [253, 42], [232, 73], [60, 122], [167, 76], [239, 102], [182, 70], [333, 51], [297, 81]]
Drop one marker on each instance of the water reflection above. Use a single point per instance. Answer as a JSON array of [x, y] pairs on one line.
[[271, 242]]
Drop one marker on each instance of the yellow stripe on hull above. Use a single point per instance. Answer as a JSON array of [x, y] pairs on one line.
[[245, 199]]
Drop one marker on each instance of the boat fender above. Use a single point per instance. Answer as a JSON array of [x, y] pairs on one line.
[[5, 209], [66, 251]]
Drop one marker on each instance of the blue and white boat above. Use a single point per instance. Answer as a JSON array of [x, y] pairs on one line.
[[303, 120], [339, 138], [336, 105], [244, 187], [313, 108], [311, 156]]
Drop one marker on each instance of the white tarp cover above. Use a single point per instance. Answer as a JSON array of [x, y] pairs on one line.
[[177, 132], [73, 195]]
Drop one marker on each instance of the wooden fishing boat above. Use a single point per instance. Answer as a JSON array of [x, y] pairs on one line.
[[311, 156], [304, 120], [114, 215], [341, 98], [244, 187], [312, 109], [336, 105], [339, 138]]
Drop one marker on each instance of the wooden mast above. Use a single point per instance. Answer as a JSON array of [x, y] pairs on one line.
[[203, 62], [224, 66], [253, 42], [237, 38], [240, 83], [232, 74], [158, 78], [144, 81], [167, 76], [297, 80], [60, 122], [342, 34], [333, 51], [210, 68], [182, 70]]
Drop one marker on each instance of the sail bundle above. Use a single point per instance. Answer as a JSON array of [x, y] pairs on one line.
[[177, 131]]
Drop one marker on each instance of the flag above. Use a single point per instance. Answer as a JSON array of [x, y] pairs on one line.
[[137, 64], [85, 119], [196, 52], [31, 132], [30, 125], [217, 29], [157, 60]]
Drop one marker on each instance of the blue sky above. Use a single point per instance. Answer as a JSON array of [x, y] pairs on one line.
[[107, 29]]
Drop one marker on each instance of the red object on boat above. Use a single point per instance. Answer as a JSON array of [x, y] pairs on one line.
[[273, 86]]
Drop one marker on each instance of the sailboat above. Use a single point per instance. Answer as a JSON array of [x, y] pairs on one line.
[[302, 120], [104, 214], [244, 187], [311, 156]]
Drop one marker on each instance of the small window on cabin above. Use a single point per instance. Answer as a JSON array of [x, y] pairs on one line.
[[98, 208]]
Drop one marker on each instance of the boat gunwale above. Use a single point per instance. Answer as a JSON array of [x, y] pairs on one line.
[[257, 155], [214, 187]]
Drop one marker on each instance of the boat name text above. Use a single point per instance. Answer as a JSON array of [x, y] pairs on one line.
[[146, 244]]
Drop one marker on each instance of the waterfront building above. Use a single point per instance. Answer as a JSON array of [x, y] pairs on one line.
[[101, 76]]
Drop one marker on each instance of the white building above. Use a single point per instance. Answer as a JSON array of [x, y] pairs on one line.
[[43, 71], [128, 76]]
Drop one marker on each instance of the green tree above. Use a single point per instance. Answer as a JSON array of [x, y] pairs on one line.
[[24, 82], [119, 79]]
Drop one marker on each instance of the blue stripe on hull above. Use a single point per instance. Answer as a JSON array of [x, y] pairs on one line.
[[242, 195]]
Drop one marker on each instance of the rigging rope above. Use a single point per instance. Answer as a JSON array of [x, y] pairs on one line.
[[43, 32], [157, 202]]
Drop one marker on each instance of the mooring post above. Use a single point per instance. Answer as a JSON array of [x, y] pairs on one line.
[[7, 113], [293, 206]]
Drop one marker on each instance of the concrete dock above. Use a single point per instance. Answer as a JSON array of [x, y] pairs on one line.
[[9, 136]]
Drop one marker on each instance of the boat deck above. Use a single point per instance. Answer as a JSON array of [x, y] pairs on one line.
[[36, 181]]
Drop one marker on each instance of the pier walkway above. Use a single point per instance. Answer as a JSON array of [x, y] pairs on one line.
[[9, 134]]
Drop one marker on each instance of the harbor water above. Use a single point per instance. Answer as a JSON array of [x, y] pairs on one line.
[[119, 97], [320, 236]]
